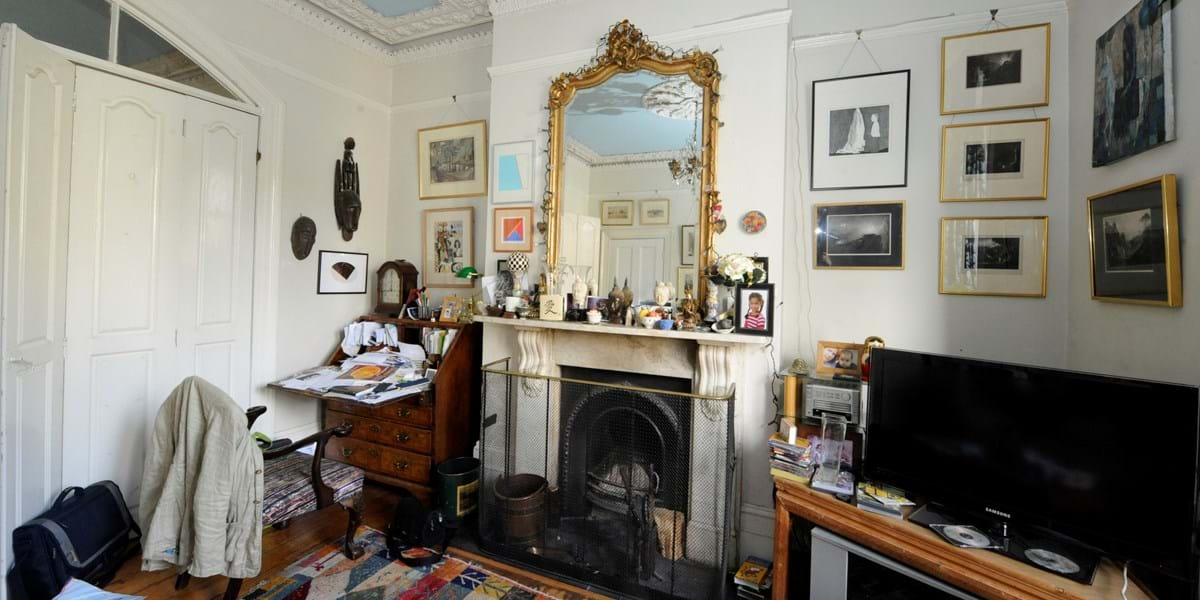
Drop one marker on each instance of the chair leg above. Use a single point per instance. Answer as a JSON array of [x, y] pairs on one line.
[[183, 580], [354, 519], [233, 590]]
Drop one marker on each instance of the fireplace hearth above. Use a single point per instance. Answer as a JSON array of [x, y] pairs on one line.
[[619, 457]]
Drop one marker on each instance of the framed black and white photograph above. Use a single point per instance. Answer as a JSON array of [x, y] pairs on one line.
[[859, 235], [1003, 160], [860, 131], [341, 272], [994, 256], [755, 309], [688, 242], [1134, 233], [996, 69]]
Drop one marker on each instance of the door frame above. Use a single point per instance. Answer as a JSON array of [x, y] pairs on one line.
[[213, 54]]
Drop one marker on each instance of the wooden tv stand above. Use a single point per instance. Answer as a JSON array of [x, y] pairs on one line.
[[980, 572]]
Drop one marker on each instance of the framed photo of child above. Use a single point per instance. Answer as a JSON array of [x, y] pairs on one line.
[[756, 309], [839, 358]]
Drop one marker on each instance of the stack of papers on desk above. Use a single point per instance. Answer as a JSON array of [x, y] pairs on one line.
[[371, 377]]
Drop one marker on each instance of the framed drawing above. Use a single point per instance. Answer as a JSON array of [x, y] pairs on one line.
[[512, 229], [341, 272], [839, 358], [1134, 233], [860, 131], [1134, 104], [687, 245], [616, 212], [452, 160], [994, 256], [1004, 160], [859, 235], [996, 69], [656, 211], [447, 245], [755, 309], [685, 277], [512, 173]]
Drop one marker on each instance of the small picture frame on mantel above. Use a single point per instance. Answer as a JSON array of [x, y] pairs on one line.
[[755, 309]]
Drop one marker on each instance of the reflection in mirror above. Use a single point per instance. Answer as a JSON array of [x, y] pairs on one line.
[[630, 182]]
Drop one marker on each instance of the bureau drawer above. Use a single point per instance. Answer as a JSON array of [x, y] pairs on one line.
[[359, 453], [408, 410], [384, 432], [405, 465]]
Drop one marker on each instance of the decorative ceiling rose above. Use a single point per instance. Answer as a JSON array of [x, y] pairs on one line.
[[448, 15]]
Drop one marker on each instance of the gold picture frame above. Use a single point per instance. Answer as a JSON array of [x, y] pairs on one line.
[[609, 219], [882, 264], [649, 209], [991, 171], [989, 259], [452, 308], [832, 355], [1170, 273], [452, 161], [990, 55]]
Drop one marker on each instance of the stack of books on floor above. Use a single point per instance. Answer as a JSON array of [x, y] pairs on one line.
[[753, 578], [791, 461], [882, 500]]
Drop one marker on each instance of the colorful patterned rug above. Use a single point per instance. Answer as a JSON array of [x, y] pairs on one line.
[[328, 575]]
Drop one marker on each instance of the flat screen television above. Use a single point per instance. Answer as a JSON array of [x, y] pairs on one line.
[[1107, 461]]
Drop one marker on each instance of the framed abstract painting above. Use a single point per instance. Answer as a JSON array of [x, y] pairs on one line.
[[512, 173], [448, 245], [512, 229]]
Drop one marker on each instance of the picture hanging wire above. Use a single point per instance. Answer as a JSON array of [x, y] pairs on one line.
[[859, 42], [453, 106]]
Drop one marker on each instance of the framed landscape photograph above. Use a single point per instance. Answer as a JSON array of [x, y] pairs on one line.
[[447, 245], [996, 69], [859, 235], [687, 244], [994, 256], [839, 358], [341, 272], [512, 173], [452, 161], [860, 131], [755, 309], [616, 212], [1134, 104], [512, 229], [655, 211], [1134, 233], [1004, 160]]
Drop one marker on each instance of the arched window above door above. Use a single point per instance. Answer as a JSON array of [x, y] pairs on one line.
[[103, 29]]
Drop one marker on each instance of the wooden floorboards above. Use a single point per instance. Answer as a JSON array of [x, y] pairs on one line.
[[305, 534]]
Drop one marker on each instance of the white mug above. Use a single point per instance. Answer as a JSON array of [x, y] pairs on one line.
[[512, 303]]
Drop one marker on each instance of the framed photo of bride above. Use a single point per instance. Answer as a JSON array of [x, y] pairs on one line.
[[860, 131]]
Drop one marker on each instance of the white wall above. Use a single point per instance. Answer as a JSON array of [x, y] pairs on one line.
[[814, 17], [1136, 341], [904, 306]]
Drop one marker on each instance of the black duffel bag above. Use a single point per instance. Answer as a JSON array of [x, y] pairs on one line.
[[87, 534]]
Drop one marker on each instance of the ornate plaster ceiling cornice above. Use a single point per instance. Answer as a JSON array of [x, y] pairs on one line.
[[506, 7], [594, 159], [447, 15]]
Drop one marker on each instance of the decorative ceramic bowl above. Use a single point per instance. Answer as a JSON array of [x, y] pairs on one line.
[[666, 324], [649, 321], [717, 328]]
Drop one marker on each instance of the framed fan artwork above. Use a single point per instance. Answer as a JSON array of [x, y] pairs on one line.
[[860, 131], [341, 272]]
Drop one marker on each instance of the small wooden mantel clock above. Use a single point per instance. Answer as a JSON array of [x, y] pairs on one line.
[[394, 280]]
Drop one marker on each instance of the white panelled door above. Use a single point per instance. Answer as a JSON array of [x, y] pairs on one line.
[[160, 264], [36, 90], [638, 259]]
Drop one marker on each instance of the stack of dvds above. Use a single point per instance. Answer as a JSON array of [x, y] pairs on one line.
[[753, 578], [882, 500], [793, 462]]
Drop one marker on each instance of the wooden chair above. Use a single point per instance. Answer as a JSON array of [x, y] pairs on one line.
[[294, 485]]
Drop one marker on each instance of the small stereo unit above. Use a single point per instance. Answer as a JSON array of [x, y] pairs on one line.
[[828, 396]]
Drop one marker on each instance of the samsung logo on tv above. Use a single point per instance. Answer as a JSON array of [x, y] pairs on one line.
[[997, 513]]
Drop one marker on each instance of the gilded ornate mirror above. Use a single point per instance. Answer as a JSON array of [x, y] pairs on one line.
[[631, 184]]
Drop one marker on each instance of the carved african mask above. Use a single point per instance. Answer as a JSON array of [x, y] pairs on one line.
[[347, 205], [304, 235]]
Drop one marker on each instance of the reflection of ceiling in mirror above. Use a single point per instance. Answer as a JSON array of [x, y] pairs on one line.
[[594, 159], [635, 113]]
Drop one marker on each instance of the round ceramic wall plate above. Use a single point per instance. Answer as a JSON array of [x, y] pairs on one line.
[[754, 222]]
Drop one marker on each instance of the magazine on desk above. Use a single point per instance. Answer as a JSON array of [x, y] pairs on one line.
[[370, 378]]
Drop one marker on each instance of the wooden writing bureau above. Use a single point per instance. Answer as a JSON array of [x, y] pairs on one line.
[[400, 442]]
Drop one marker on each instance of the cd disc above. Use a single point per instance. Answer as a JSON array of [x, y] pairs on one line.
[[1051, 561], [966, 536]]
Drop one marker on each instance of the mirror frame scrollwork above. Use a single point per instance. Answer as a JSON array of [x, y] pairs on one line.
[[625, 49]]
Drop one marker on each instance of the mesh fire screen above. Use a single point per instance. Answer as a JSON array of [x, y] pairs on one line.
[[621, 486]]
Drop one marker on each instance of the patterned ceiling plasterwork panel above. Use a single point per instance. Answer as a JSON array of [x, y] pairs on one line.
[[593, 159], [448, 15], [505, 7]]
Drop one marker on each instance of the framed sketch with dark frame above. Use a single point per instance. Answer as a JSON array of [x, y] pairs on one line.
[[341, 272], [860, 131], [858, 235], [839, 358], [687, 245], [994, 256], [755, 309], [996, 69], [1134, 237], [1003, 160]]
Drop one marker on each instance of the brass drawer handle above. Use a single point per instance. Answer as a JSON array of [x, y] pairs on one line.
[[374, 428], [401, 465], [346, 452], [404, 412], [402, 437], [373, 452]]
